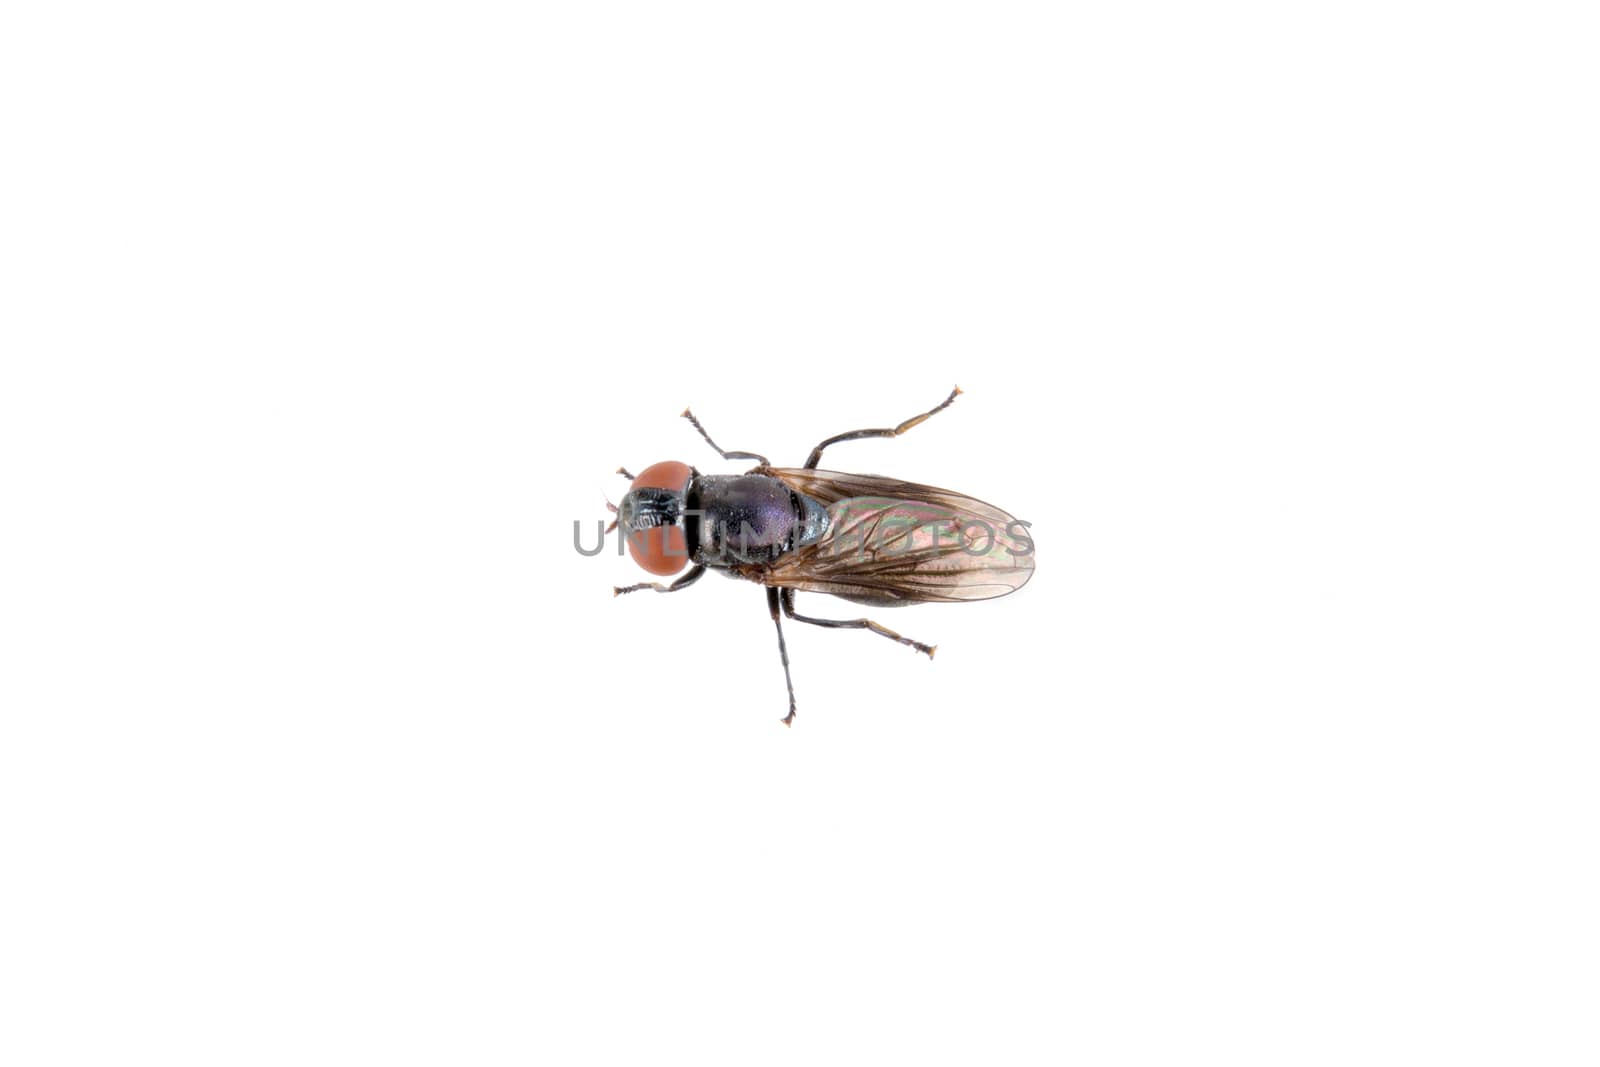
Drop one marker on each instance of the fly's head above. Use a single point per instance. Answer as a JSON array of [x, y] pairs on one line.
[[651, 517]]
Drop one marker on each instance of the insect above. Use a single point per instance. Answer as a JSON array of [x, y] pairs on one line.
[[864, 538]]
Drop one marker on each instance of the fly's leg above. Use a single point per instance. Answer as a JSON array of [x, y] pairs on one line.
[[853, 624], [783, 651], [725, 455], [856, 435], [687, 580]]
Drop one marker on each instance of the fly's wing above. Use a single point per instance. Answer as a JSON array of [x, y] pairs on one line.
[[892, 542]]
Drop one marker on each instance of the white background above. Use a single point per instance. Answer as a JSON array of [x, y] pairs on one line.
[[323, 322]]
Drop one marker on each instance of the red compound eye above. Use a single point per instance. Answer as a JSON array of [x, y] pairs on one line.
[[661, 549]]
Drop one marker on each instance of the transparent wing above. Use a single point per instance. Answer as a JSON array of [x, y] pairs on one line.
[[894, 542]]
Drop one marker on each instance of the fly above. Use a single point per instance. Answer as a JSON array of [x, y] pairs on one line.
[[861, 537]]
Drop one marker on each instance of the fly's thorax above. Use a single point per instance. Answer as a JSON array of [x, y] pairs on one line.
[[750, 518]]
